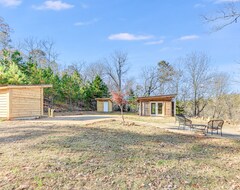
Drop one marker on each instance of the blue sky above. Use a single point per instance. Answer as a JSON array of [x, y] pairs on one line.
[[148, 30]]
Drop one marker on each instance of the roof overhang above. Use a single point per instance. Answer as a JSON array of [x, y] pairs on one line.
[[157, 98], [103, 99], [25, 86]]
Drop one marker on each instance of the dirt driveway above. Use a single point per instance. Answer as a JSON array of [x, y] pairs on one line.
[[71, 119], [77, 119], [163, 123]]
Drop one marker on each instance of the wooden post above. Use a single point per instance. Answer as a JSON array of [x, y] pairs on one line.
[[41, 102], [52, 112], [49, 112]]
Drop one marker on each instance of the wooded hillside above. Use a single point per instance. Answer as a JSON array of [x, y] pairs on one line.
[[201, 90]]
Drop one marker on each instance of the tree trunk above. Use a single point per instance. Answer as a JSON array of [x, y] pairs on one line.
[[121, 108]]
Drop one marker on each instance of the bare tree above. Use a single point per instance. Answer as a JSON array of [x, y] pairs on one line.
[[5, 31], [94, 69], [75, 69], [166, 74], [177, 77], [150, 80], [77, 66], [198, 76], [226, 16], [41, 52], [116, 69], [220, 85]]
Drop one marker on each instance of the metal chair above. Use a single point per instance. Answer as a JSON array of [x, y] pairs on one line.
[[183, 121], [215, 125]]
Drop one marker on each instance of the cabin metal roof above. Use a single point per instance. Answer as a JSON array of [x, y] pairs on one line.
[[168, 97], [103, 99], [4, 87]]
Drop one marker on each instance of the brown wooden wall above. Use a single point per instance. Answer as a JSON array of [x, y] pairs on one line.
[[145, 108], [100, 106], [168, 108], [26, 102]]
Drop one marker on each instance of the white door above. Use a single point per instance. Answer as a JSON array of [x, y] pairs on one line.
[[105, 106]]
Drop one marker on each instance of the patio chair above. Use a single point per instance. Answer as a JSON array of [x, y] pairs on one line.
[[215, 125], [183, 121]]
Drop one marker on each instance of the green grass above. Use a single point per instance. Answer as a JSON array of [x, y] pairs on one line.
[[39, 182], [111, 156]]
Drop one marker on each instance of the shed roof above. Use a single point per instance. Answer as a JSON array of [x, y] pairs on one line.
[[103, 99], [24, 86], [168, 97]]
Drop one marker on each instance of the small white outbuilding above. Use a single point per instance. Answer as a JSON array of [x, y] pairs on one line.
[[104, 104]]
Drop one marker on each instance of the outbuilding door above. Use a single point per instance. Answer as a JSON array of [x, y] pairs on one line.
[[3, 105], [105, 106], [156, 108]]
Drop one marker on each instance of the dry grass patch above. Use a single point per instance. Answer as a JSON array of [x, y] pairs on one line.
[[110, 156]]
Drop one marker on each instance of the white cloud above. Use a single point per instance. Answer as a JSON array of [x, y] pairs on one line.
[[154, 42], [189, 37], [86, 22], [199, 5], [10, 3], [54, 5], [129, 37], [227, 1], [170, 49]]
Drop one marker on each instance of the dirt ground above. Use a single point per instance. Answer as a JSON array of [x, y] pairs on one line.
[[97, 152]]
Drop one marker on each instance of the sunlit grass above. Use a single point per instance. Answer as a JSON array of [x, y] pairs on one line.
[[108, 155]]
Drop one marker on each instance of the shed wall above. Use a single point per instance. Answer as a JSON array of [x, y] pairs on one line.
[[168, 108], [4, 103], [145, 108], [100, 106], [110, 106], [26, 102]]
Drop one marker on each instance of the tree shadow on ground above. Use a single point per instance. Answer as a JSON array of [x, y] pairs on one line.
[[24, 133], [105, 141], [109, 156]]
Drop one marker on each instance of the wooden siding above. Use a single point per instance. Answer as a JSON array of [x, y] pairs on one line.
[[168, 108], [26, 102], [145, 108], [100, 106], [4, 103], [110, 106]]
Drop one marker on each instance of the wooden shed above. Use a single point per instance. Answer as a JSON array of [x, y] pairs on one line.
[[18, 101], [163, 105], [104, 104]]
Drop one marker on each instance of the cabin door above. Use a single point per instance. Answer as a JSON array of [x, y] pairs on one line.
[[156, 108], [105, 106]]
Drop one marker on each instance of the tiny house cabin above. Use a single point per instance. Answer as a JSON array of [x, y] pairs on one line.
[[18, 101], [163, 105], [104, 104]]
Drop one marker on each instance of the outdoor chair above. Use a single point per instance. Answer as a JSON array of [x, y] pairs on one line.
[[215, 125], [183, 121]]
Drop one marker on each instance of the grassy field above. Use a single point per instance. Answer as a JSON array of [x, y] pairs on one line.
[[109, 156]]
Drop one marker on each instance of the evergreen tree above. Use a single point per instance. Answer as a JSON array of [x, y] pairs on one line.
[[132, 100], [99, 88]]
